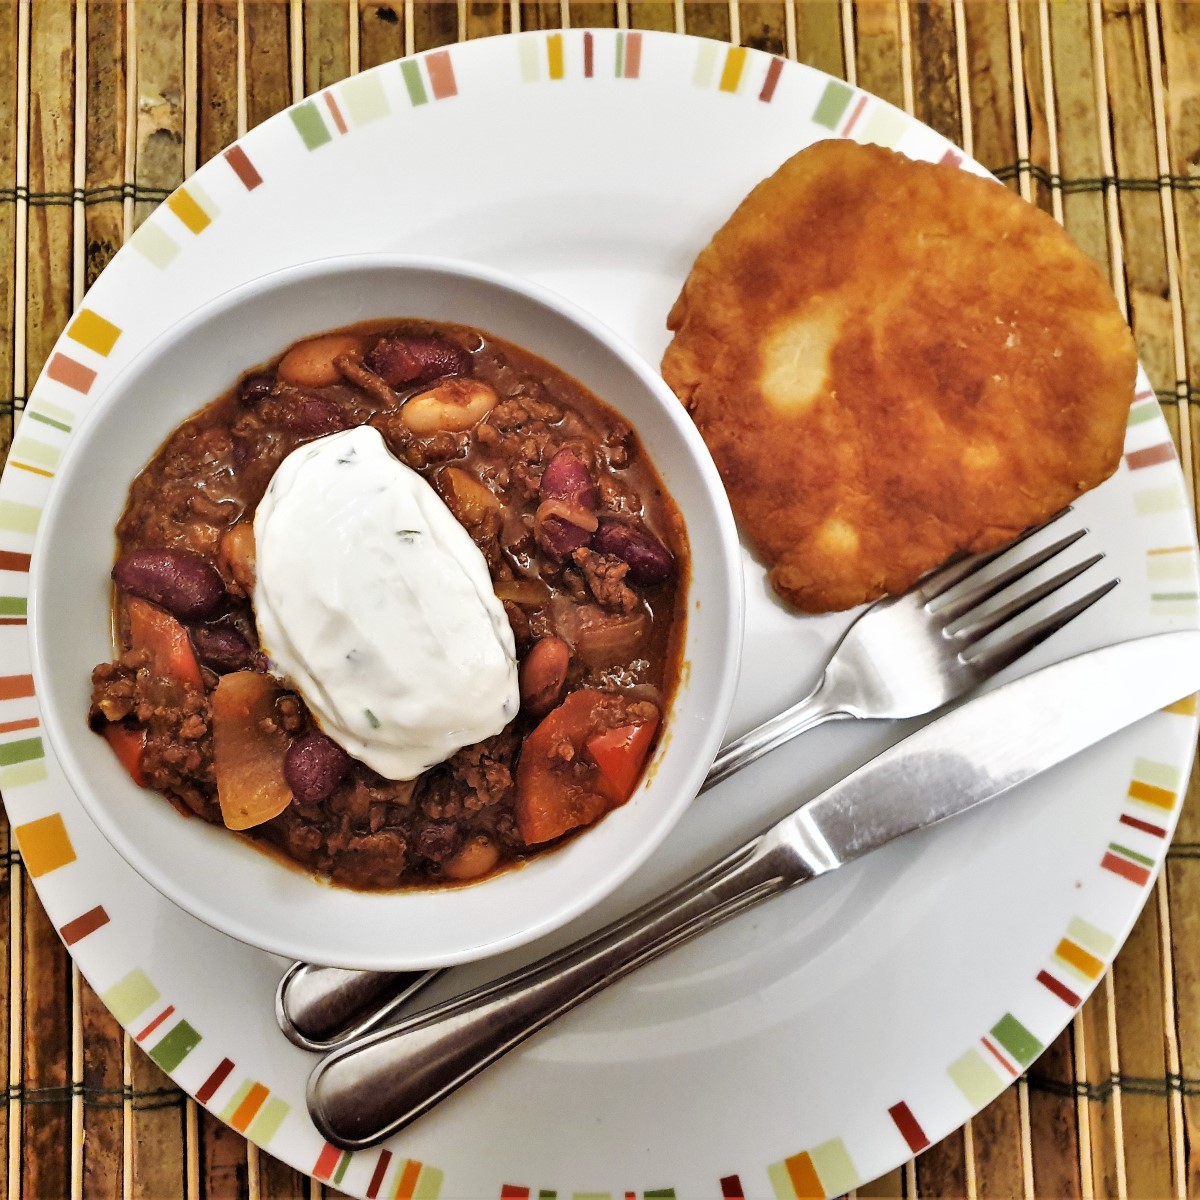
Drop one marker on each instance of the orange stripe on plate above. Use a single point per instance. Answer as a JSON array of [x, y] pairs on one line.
[[93, 331], [327, 1160], [804, 1177], [1149, 794], [1184, 708], [554, 54], [633, 55], [45, 845], [407, 1183], [1079, 958], [12, 686], [183, 204], [32, 470], [441, 75], [10, 560], [335, 112], [13, 726], [74, 375], [1126, 869], [731, 74], [244, 1113]]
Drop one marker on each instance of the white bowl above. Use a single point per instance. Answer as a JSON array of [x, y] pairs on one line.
[[216, 875]]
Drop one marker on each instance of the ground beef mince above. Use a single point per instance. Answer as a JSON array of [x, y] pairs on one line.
[[585, 550]]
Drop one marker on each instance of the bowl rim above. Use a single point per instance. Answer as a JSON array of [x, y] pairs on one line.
[[727, 657]]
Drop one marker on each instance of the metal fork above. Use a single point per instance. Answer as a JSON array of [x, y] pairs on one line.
[[904, 656]]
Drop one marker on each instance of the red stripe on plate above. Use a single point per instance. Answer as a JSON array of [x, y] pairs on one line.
[[773, 73], [81, 926], [1126, 869], [162, 1016], [1151, 456], [1061, 990], [208, 1088], [909, 1128], [1144, 826], [385, 1159], [243, 168]]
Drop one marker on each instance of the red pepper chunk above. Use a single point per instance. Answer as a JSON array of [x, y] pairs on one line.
[[154, 630], [621, 754], [577, 764], [128, 745]]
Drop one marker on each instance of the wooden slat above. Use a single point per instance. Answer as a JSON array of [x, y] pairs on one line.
[[886, 1187], [104, 173], [46, 1115], [51, 158], [877, 51], [380, 33], [935, 67], [1053, 1122], [942, 1169], [1180, 36], [8, 221], [1037, 102], [549, 15], [993, 121], [1181, 57], [10, 932], [996, 1141], [1183, 878], [217, 115], [819, 36], [268, 60], [326, 44], [703, 20], [1137, 973], [763, 26], [46, 1110], [103, 1049], [436, 24], [1141, 212]]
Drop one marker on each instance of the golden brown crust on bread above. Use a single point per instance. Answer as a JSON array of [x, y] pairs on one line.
[[894, 361]]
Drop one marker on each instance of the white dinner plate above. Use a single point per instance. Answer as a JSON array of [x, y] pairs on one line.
[[810, 1045]]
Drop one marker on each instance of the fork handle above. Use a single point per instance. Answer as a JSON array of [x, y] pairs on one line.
[[370, 1089], [819, 706]]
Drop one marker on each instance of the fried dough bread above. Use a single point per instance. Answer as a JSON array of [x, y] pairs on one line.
[[894, 361]]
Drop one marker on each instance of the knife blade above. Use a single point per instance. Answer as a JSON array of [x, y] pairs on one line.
[[371, 1088]]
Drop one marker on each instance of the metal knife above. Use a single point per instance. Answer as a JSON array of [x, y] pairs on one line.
[[373, 1087]]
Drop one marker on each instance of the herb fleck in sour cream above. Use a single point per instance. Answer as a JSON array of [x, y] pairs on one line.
[[375, 603]]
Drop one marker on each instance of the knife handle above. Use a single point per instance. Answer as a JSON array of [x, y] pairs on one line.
[[373, 1087]]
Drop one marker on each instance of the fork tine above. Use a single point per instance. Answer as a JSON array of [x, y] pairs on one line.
[[970, 633], [959, 607], [938, 582], [996, 658]]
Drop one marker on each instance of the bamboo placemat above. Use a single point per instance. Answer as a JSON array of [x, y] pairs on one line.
[[1090, 109]]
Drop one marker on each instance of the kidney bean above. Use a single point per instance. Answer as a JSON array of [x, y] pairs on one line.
[[255, 388], [437, 841], [185, 583], [649, 560], [313, 416], [313, 766], [222, 649], [400, 362], [558, 537], [566, 478], [543, 674]]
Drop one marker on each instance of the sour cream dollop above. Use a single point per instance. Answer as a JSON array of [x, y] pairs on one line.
[[377, 606]]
